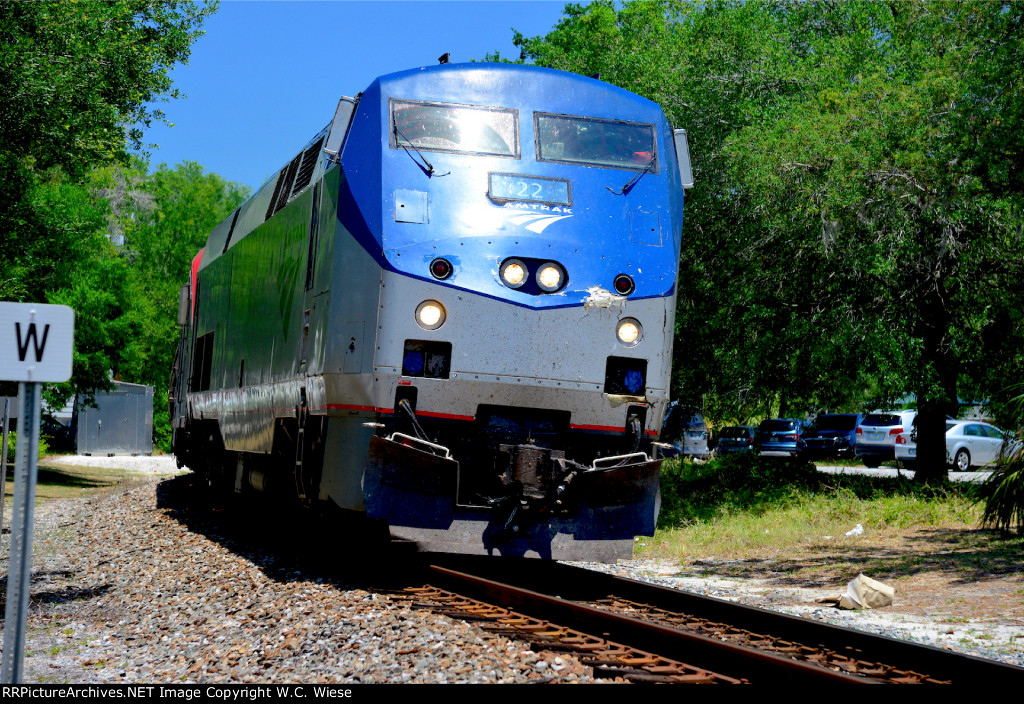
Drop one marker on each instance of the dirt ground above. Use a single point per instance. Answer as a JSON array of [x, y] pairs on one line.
[[962, 574], [956, 589]]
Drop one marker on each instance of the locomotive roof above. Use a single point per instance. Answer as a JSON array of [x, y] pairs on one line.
[[517, 86]]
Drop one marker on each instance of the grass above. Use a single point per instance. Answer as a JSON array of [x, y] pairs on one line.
[[745, 506], [64, 481], [780, 520]]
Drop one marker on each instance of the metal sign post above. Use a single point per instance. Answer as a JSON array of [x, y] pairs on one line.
[[6, 416], [26, 471], [36, 344]]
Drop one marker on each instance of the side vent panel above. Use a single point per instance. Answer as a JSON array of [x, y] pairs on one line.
[[294, 177], [271, 208], [305, 173], [286, 185]]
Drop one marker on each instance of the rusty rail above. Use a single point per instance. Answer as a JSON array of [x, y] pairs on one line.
[[696, 656], [732, 641]]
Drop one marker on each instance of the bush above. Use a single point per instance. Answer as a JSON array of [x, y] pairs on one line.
[[44, 448], [700, 492], [1003, 492], [1003, 495]]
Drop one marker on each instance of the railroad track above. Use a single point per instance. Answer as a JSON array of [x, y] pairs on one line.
[[645, 633]]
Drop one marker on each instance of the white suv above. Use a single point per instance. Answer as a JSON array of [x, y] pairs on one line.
[[876, 435]]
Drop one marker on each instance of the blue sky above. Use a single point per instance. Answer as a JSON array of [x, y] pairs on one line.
[[267, 75]]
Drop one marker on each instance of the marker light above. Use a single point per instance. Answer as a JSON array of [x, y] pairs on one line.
[[513, 273], [624, 284], [430, 315], [629, 331], [440, 269], [550, 277]]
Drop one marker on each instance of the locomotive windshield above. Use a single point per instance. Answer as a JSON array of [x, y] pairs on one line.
[[454, 128], [595, 142]]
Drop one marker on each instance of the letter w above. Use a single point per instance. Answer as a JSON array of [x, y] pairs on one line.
[[31, 335]]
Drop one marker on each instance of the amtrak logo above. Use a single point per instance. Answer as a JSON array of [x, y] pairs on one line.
[[534, 216]]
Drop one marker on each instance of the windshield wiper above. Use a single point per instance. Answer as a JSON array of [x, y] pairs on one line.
[[632, 181], [429, 168]]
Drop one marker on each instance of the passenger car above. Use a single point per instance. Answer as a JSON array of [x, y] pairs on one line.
[[831, 435], [736, 438], [686, 432], [780, 435], [968, 444], [876, 435]]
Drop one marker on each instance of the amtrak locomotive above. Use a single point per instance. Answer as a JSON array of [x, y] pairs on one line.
[[452, 312]]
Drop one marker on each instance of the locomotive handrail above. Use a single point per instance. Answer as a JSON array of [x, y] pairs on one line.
[[447, 452], [661, 446], [620, 459]]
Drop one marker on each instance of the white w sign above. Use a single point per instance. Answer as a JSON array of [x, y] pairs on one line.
[[36, 342]]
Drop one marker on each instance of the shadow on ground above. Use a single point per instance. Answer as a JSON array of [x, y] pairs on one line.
[[962, 556]]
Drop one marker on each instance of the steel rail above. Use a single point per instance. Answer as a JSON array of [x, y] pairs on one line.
[[917, 657], [860, 649], [737, 661]]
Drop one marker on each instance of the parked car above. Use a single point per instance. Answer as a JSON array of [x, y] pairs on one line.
[[831, 435], [780, 435], [59, 437], [969, 444], [876, 435], [736, 438], [905, 445], [686, 432]]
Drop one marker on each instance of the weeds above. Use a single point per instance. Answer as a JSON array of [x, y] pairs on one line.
[[744, 504]]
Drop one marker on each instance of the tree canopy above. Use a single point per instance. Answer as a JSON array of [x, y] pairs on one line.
[[78, 79], [855, 232], [78, 84]]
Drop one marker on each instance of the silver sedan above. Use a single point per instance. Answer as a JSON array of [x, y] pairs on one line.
[[969, 443]]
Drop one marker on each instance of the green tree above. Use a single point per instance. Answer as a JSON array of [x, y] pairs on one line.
[[164, 217], [857, 211], [901, 164], [77, 84], [78, 79]]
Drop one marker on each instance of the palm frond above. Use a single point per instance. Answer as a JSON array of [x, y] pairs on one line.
[[1003, 494]]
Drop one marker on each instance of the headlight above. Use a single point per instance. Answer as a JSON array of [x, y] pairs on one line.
[[629, 331], [513, 273], [430, 315], [550, 277]]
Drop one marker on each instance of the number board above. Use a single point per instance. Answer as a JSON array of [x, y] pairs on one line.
[[536, 189]]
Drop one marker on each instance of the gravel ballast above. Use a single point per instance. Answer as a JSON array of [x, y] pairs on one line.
[[126, 588], [124, 591]]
